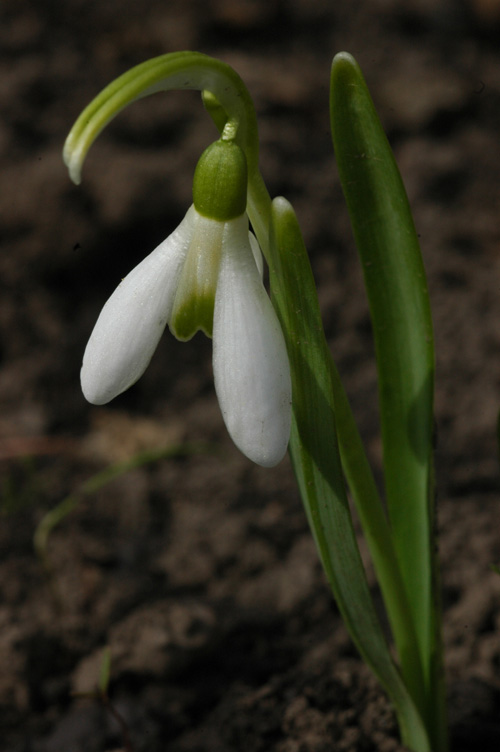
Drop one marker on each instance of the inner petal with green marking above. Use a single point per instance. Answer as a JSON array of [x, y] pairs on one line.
[[193, 307]]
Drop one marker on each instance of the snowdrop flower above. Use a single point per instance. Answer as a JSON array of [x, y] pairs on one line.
[[206, 275]]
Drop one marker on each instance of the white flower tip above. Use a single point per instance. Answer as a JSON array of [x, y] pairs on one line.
[[270, 448], [260, 427], [97, 387], [105, 372], [92, 395]]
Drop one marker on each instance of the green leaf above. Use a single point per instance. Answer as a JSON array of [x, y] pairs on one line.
[[399, 304], [316, 460], [58, 514], [105, 672], [378, 536]]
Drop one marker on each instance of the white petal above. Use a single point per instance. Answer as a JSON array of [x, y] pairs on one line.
[[132, 321], [251, 370]]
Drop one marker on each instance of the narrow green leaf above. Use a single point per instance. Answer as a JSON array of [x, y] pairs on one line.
[[395, 282], [105, 672], [58, 514], [397, 291], [316, 460], [378, 536]]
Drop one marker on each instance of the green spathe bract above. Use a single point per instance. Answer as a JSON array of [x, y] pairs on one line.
[[325, 445]]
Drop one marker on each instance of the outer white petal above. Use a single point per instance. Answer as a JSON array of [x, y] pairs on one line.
[[251, 370], [132, 321]]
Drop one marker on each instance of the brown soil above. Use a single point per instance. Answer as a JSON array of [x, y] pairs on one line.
[[198, 571]]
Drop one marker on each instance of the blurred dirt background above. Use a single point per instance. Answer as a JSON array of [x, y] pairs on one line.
[[198, 570]]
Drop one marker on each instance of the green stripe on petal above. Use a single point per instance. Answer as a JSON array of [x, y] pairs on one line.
[[194, 301]]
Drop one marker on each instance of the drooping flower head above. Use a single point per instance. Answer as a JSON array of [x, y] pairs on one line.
[[206, 275]]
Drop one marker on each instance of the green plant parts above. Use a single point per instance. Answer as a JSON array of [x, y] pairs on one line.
[[56, 516], [101, 695], [220, 181], [396, 287], [275, 377]]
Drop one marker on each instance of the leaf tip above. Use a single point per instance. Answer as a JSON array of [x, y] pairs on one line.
[[344, 62]]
